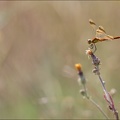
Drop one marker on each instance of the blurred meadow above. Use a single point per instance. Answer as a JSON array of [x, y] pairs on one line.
[[40, 42]]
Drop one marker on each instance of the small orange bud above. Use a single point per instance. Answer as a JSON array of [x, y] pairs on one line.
[[89, 52], [78, 67]]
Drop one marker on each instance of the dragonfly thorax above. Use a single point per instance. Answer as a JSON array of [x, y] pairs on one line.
[[95, 40]]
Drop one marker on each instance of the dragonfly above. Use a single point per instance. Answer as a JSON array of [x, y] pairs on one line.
[[100, 35]]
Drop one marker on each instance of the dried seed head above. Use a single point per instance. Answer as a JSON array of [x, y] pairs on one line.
[[110, 108], [89, 52], [96, 71], [78, 67], [82, 91], [112, 91], [82, 77], [80, 73]]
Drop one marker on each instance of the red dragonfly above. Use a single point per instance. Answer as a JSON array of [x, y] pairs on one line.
[[100, 35]]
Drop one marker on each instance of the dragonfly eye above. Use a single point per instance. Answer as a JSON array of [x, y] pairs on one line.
[[89, 41]]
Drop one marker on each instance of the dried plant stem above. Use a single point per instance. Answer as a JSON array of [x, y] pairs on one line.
[[100, 109], [103, 85], [116, 114], [93, 102], [110, 98], [96, 70]]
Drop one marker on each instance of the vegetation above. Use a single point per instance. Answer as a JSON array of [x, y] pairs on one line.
[[40, 41]]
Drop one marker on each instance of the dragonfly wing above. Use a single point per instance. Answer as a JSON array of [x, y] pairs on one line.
[[102, 29], [109, 37], [100, 33], [92, 23]]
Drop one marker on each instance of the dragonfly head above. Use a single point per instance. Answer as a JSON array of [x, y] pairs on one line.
[[89, 41]]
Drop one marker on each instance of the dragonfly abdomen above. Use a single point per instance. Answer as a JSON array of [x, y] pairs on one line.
[[118, 37]]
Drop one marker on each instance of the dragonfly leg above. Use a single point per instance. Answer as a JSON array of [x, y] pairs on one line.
[[93, 47]]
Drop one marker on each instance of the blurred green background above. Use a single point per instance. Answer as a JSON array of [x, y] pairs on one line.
[[40, 42]]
